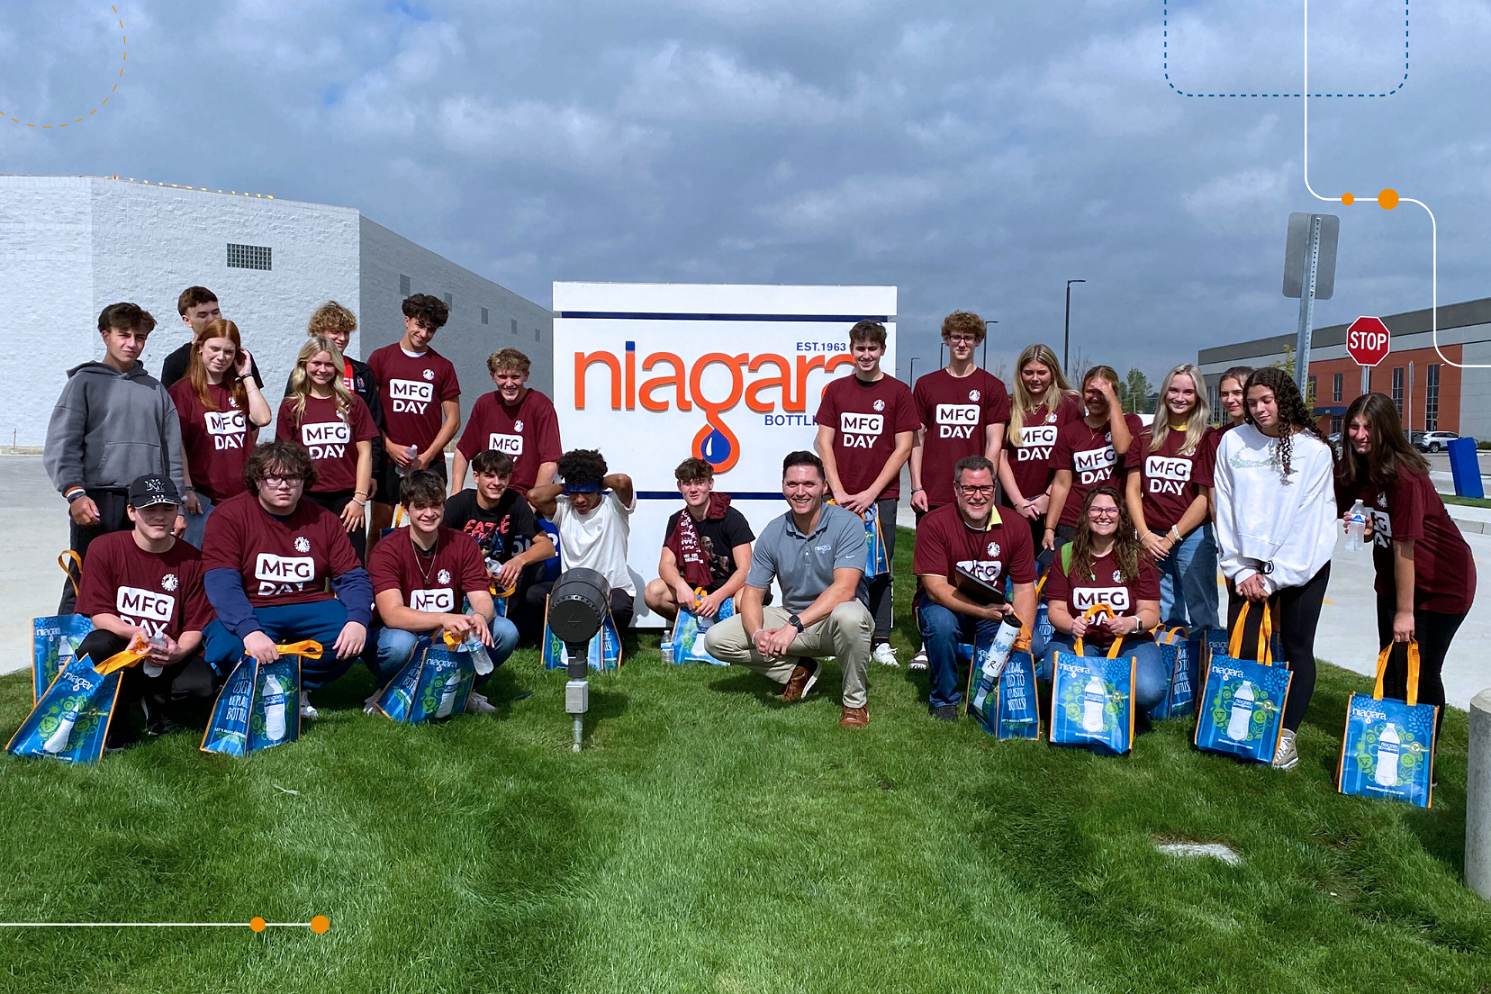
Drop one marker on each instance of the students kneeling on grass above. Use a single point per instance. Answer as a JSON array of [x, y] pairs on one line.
[[420, 574], [816, 553], [1106, 564], [968, 537], [708, 547], [270, 554]]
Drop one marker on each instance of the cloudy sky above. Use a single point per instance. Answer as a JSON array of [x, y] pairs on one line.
[[976, 155]]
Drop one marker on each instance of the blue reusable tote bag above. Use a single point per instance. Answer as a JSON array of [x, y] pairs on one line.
[[1004, 707], [1180, 654], [1092, 697], [1242, 706], [689, 630], [71, 720], [1388, 747], [604, 651], [876, 561], [54, 644], [432, 686], [258, 706]]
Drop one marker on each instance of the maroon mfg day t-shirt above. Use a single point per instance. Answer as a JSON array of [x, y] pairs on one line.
[[330, 440], [435, 584], [282, 560], [955, 413], [866, 417], [160, 592], [1103, 584], [1168, 481], [1029, 456], [1088, 453], [944, 541], [1411, 510], [528, 431], [217, 442], [412, 388]]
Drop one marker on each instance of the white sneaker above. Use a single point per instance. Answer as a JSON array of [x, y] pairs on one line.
[[884, 655], [478, 704], [919, 661], [306, 711], [1286, 757]]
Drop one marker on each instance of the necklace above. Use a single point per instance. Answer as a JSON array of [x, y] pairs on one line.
[[421, 555]]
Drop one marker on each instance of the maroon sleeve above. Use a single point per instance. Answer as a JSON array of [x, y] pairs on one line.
[[549, 446], [183, 396], [1022, 552], [473, 567], [450, 384], [997, 407], [930, 557], [907, 418], [1058, 588], [1405, 506], [828, 410], [196, 612], [1061, 452], [920, 401], [383, 568], [340, 556], [1071, 409], [470, 443], [100, 581], [363, 428], [284, 424], [1204, 465], [375, 363], [1139, 451], [1147, 586], [222, 543]]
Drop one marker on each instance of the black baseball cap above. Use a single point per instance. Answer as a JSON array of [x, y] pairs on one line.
[[152, 489]]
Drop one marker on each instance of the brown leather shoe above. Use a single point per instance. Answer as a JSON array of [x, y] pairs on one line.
[[855, 718], [802, 680]]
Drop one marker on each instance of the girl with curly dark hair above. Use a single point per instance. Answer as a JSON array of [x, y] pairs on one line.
[[1276, 527]]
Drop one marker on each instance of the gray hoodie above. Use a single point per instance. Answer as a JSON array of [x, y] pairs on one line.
[[110, 427]]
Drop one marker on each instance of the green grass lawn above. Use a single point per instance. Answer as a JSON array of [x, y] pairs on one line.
[[710, 838], [1467, 501]]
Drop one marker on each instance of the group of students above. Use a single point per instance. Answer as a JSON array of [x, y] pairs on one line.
[[1135, 518]]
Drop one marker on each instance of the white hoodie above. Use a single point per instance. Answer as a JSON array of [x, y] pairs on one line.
[[1262, 520]]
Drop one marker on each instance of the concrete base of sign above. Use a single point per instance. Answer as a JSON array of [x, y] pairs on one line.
[[1478, 797]]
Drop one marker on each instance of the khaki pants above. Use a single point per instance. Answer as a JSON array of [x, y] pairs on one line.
[[844, 634]]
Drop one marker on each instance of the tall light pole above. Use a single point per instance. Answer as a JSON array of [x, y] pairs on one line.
[[913, 371], [1066, 342], [987, 329]]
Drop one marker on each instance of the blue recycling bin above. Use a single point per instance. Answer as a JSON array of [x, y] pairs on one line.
[[1465, 468]]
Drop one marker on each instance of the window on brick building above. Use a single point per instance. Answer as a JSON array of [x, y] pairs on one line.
[[1398, 389], [1336, 384], [404, 286], [484, 316], [249, 257], [1431, 399]]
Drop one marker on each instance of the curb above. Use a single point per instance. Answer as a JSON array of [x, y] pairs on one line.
[[1467, 525]]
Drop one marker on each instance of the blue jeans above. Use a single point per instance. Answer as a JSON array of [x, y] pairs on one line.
[[196, 524], [1188, 582], [1151, 679], [321, 621], [390, 649], [942, 630]]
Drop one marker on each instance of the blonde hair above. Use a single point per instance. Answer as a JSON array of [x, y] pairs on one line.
[[1024, 403], [331, 316], [300, 381], [1197, 422]]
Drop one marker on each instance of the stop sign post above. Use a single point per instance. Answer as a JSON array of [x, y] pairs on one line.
[[1368, 341]]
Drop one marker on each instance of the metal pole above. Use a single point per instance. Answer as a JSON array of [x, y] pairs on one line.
[[1066, 338], [1307, 310], [1366, 379], [912, 373], [1408, 407]]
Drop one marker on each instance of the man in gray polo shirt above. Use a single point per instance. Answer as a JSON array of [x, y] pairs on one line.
[[816, 552]]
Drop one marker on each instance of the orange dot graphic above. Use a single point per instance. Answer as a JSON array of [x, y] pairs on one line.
[[1387, 199], [320, 924], [1347, 199], [257, 924]]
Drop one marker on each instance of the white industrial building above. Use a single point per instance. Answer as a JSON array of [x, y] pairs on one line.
[[71, 245]]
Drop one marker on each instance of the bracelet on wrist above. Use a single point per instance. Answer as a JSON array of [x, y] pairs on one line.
[[74, 494], [916, 490]]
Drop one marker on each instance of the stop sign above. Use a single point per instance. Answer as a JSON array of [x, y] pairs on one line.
[[1367, 341]]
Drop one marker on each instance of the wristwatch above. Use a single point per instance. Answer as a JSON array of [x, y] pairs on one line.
[[795, 622]]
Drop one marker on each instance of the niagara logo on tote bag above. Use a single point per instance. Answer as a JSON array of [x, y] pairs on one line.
[[1092, 697], [259, 704], [433, 685], [689, 630], [54, 644], [1242, 706], [1388, 747]]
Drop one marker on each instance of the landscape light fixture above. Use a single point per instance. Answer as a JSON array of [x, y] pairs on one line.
[[578, 605]]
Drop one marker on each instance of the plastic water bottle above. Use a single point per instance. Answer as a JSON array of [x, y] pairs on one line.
[[1094, 702], [480, 661], [1388, 752], [667, 648], [152, 668], [1242, 712], [1356, 526], [274, 709], [56, 743], [996, 657], [448, 695]]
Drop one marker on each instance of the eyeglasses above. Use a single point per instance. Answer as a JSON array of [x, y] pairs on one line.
[[283, 481], [1102, 512], [987, 490]]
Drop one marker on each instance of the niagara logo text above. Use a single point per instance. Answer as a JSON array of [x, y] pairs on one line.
[[1166, 475], [283, 574], [956, 420], [410, 396], [326, 439]]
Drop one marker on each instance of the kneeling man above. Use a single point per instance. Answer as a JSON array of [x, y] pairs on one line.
[[816, 553], [707, 547], [420, 574], [967, 534]]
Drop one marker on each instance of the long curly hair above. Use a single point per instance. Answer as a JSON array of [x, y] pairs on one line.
[[1389, 453], [1126, 546], [1023, 403], [1293, 415]]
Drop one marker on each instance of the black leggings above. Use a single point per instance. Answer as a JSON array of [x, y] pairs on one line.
[[1434, 632], [112, 517], [1299, 614], [882, 587]]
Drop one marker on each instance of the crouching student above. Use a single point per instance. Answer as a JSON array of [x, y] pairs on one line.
[[147, 583], [968, 534], [1107, 565], [420, 574], [593, 512], [271, 551], [707, 547]]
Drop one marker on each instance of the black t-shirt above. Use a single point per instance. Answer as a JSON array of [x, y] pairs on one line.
[[175, 366], [719, 538], [505, 531]]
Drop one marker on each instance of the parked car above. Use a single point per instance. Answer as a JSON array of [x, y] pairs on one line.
[[1334, 438], [1433, 441]]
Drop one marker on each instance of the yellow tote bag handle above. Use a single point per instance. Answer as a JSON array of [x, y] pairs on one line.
[[1413, 671], [309, 649], [1265, 634], [137, 650], [1179, 631], [1091, 613], [1022, 641], [68, 561]]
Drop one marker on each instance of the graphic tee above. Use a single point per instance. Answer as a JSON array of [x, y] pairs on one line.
[[507, 530], [1029, 456], [528, 431], [1088, 453], [1411, 510], [1103, 584], [217, 442], [1168, 481], [161, 592], [955, 412], [719, 537], [282, 560], [597, 539], [412, 390], [944, 541], [866, 417], [435, 583], [330, 440]]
